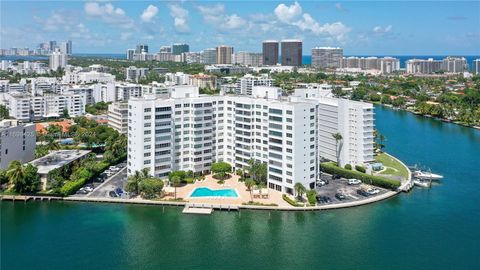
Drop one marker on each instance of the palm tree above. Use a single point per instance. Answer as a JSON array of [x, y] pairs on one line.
[[299, 189], [338, 137], [175, 181], [16, 175], [249, 183], [133, 182], [145, 173]]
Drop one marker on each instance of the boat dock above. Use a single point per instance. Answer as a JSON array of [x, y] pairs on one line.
[[202, 208], [25, 198]]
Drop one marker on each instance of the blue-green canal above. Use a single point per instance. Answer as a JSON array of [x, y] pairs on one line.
[[437, 228]]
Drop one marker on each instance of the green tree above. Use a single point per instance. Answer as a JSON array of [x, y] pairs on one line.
[[221, 169], [150, 188], [338, 138], [249, 183], [31, 179], [4, 112], [133, 182], [258, 171], [175, 182], [16, 175], [299, 189]]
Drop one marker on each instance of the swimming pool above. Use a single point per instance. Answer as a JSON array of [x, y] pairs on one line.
[[206, 192]]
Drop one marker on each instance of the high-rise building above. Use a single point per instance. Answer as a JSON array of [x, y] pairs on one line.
[[245, 85], [130, 54], [455, 64], [476, 66], [187, 131], [179, 48], [424, 66], [270, 52], [224, 54], [248, 59], [326, 57], [141, 48], [57, 60], [209, 56], [69, 47], [291, 52], [52, 45], [165, 49]]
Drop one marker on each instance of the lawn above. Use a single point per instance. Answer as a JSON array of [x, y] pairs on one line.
[[393, 166]]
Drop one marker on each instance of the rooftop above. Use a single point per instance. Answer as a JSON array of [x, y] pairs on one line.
[[57, 159]]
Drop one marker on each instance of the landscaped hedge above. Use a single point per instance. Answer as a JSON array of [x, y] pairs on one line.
[[70, 187], [379, 181], [290, 201], [360, 168], [348, 166]]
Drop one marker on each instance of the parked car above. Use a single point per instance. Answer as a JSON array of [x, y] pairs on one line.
[[373, 191], [88, 189], [321, 183], [323, 199], [82, 191], [340, 196], [336, 176], [354, 182], [112, 194], [362, 192], [119, 191]]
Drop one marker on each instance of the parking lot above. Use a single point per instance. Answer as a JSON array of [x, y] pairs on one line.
[[341, 185], [113, 178], [118, 180]]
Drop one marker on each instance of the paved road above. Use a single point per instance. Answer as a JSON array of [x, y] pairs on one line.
[[117, 180]]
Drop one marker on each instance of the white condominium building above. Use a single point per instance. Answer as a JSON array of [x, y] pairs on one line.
[[476, 66], [326, 57], [112, 92], [87, 77], [448, 64], [134, 74], [354, 120], [57, 60], [385, 65], [248, 59], [118, 116], [17, 142], [188, 131], [29, 108], [246, 83]]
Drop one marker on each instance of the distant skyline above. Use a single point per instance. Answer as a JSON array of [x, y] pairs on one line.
[[360, 27]]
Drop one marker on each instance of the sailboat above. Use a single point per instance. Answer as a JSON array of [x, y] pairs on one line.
[[424, 175]]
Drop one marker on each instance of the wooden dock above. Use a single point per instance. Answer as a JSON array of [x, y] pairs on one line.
[[197, 210]]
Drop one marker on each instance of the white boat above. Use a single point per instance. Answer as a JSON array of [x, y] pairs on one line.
[[426, 175], [421, 183]]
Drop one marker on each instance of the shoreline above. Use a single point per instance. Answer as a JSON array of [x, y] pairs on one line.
[[423, 115], [405, 186]]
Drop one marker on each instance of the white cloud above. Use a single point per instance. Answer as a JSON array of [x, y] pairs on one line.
[[382, 30], [149, 13], [211, 14], [288, 14], [108, 14], [180, 18], [293, 15], [216, 16]]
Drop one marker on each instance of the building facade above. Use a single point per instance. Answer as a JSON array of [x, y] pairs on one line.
[[326, 57], [188, 131], [224, 55], [118, 116], [270, 52], [17, 142], [179, 48], [291, 52]]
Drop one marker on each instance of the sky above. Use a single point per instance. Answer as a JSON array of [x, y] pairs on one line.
[[360, 27]]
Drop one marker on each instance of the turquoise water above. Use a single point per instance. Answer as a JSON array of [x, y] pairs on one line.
[[434, 228], [206, 192]]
